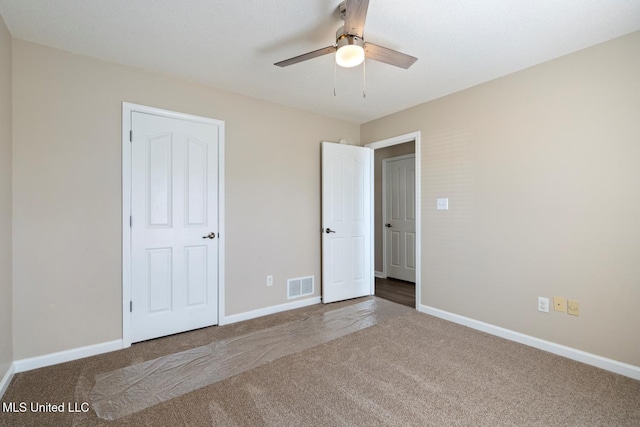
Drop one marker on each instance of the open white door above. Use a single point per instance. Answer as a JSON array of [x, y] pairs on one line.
[[346, 222]]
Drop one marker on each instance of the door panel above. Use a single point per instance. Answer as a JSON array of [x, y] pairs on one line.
[[174, 188], [400, 218], [196, 275], [159, 282], [196, 185], [159, 180], [346, 208]]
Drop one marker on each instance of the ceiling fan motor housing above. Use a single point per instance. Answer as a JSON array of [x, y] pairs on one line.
[[343, 39]]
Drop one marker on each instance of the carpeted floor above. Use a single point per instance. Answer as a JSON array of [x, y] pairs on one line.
[[412, 369]]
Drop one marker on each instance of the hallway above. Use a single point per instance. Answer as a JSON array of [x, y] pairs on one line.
[[398, 291]]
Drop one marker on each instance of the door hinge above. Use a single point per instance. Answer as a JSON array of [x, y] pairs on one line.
[[130, 136], [130, 306], [130, 221]]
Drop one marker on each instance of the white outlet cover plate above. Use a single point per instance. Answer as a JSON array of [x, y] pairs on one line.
[[442, 204]]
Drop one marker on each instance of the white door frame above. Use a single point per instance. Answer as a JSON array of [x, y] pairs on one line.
[[401, 139], [127, 110], [384, 206]]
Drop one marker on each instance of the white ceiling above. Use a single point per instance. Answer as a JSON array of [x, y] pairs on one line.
[[232, 45]]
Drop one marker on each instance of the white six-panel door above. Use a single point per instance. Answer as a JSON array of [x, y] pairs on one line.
[[400, 220], [174, 229], [346, 222]]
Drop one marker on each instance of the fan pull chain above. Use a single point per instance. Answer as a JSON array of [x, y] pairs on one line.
[[335, 66], [364, 79]]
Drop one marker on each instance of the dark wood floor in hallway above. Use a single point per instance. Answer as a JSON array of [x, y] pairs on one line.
[[397, 291]]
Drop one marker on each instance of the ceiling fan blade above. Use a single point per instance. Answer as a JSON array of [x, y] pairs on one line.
[[388, 56], [305, 56], [354, 16]]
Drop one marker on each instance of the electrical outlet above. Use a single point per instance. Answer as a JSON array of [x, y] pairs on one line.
[[269, 280], [573, 307], [559, 304], [543, 304]]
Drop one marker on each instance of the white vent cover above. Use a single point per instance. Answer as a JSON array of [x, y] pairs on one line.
[[299, 287]]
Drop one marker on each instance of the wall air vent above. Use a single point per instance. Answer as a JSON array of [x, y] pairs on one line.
[[299, 287]]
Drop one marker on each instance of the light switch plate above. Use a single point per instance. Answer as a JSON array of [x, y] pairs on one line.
[[442, 204], [543, 304]]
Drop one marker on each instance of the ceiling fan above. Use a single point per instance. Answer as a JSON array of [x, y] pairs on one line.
[[350, 47]]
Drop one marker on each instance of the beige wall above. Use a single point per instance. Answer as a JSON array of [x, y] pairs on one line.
[[379, 155], [540, 168], [542, 175], [67, 186], [6, 344]]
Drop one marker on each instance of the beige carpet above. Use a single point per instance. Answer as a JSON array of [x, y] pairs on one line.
[[410, 370]]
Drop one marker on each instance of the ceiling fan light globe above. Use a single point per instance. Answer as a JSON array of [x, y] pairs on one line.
[[350, 55]]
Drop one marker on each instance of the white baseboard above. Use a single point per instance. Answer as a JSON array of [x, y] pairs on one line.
[[66, 356], [269, 310], [6, 380], [379, 275], [611, 365], [92, 350]]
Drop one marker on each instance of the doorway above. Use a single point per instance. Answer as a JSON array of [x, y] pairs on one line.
[[403, 145]]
